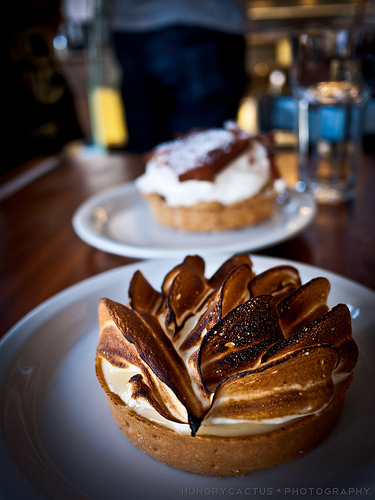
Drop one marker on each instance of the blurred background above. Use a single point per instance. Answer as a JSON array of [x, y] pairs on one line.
[[78, 76]]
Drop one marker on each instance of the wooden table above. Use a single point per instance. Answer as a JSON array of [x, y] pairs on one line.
[[41, 254]]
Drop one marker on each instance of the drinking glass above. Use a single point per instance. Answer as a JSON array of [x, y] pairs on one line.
[[331, 94]]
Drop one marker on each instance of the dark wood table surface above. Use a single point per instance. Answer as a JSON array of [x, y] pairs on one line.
[[41, 254]]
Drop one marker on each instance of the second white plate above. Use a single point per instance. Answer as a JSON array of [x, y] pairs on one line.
[[118, 221], [58, 439]]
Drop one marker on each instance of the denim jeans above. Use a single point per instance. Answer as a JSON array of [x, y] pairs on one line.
[[177, 79]]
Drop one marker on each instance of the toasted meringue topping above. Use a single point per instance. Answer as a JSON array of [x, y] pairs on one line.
[[272, 392], [238, 340], [228, 355]]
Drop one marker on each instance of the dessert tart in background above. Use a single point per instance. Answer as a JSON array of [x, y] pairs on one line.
[[227, 374], [211, 180]]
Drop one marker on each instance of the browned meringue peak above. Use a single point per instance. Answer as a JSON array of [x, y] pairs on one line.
[[162, 403], [193, 261], [278, 281], [237, 342], [226, 289], [156, 354], [233, 291], [303, 305], [113, 346], [187, 282], [143, 296], [186, 293], [219, 276], [186, 290], [273, 391], [333, 327], [183, 290]]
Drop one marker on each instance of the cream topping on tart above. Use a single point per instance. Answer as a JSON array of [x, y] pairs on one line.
[[233, 354], [216, 165]]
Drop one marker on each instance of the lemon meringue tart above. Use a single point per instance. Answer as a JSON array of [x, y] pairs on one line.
[[211, 180], [228, 374]]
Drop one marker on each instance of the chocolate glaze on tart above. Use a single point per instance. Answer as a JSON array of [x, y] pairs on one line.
[[201, 154]]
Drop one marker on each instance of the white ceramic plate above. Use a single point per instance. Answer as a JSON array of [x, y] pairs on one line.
[[58, 438], [118, 221]]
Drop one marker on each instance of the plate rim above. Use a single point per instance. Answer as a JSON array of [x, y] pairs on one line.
[[85, 231]]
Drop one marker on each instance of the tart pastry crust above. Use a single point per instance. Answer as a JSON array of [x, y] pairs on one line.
[[213, 216], [224, 456]]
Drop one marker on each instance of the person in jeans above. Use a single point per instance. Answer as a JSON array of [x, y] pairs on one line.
[[183, 65]]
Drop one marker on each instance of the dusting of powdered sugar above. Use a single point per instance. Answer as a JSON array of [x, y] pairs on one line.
[[195, 150]]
